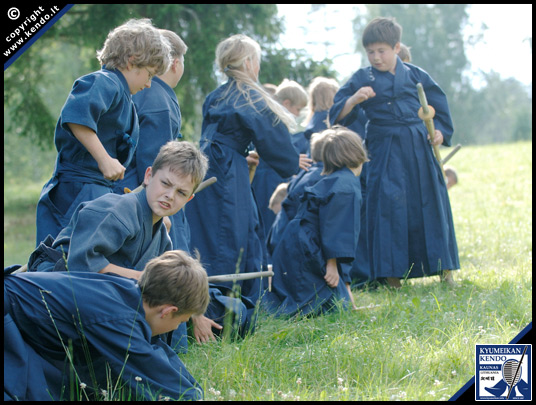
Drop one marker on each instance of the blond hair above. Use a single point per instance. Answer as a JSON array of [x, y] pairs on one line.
[[317, 145], [137, 42], [178, 279], [182, 158], [178, 47], [231, 56], [322, 91], [292, 91], [342, 148], [404, 54]]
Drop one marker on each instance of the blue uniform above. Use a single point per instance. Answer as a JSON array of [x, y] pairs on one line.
[[409, 219], [225, 221], [114, 229], [264, 184], [300, 142], [102, 102], [326, 226], [291, 203], [102, 318]]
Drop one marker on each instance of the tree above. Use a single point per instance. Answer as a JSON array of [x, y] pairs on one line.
[[36, 85]]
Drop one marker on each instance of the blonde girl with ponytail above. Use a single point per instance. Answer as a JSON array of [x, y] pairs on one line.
[[226, 227]]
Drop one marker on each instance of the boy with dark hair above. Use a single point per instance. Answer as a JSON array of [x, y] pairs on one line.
[[409, 219]]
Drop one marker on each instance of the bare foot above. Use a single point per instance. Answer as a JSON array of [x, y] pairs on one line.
[[448, 278], [394, 282]]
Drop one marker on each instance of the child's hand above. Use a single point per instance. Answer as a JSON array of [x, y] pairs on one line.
[[332, 275], [253, 160], [363, 94], [111, 169], [203, 329], [305, 162], [438, 137]]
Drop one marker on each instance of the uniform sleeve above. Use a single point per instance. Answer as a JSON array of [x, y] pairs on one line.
[[91, 96], [346, 91], [337, 223], [151, 368], [96, 235]]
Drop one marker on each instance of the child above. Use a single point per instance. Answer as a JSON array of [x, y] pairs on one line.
[[121, 233], [409, 220], [322, 90], [323, 235], [225, 222], [294, 98], [404, 53], [97, 130], [109, 323], [295, 190]]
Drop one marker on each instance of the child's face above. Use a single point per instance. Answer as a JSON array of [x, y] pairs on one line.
[[292, 108], [138, 78], [164, 321], [382, 56], [167, 192]]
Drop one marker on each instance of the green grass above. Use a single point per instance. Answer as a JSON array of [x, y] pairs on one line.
[[418, 344]]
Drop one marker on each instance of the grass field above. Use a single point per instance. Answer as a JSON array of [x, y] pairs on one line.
[[418, 344]]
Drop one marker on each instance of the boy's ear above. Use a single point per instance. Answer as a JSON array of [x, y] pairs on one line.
[[148, 175], [168, 310]]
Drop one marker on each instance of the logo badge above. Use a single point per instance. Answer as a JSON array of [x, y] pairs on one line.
[[503, 372]]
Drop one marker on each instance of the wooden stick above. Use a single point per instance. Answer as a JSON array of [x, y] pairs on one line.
[[239, 276], [211, 279], [427, 113]]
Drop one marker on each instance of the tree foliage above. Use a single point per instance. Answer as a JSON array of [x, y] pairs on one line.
[[33, 84]]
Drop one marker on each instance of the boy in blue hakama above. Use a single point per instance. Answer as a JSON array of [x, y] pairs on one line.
[[97, 130], [409, 219], [73, 335], [121, 233], [308, 263], [225, 222]]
